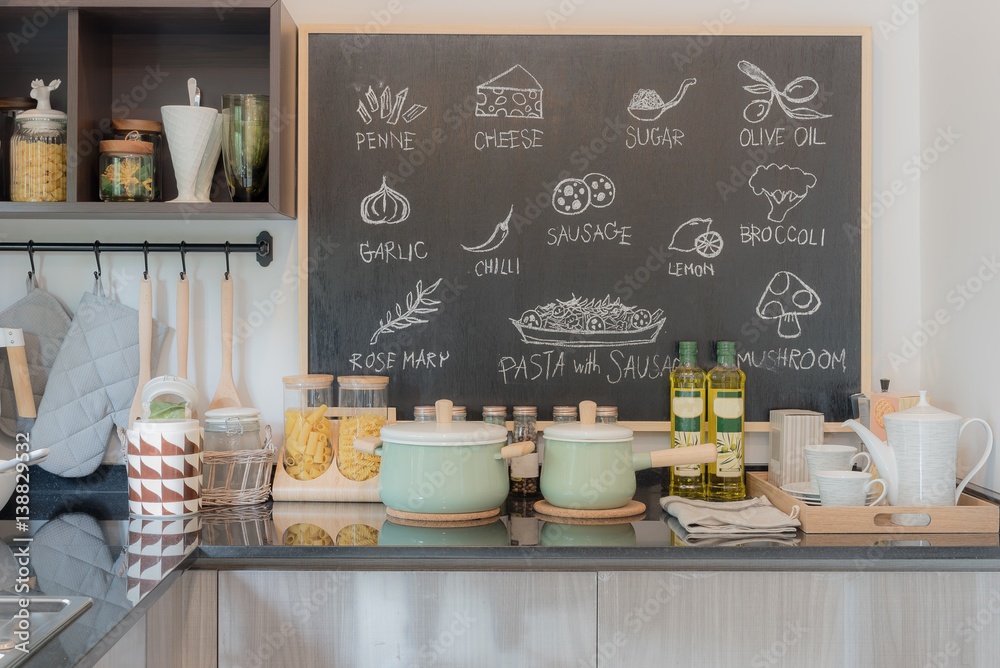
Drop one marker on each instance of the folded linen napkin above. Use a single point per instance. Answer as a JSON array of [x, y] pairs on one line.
[[729, 518], [729, 540]]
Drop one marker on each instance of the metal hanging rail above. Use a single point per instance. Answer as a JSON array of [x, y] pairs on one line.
[[263, 249]]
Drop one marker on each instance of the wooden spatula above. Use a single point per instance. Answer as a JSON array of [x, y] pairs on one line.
[[145, 345], [226, 395], [183, 300]]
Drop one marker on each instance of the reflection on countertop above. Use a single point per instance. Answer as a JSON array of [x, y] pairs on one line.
[[120, 561]]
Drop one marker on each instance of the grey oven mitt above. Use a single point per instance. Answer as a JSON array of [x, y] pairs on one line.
[[92, 384], [71, 557], [45, 322]]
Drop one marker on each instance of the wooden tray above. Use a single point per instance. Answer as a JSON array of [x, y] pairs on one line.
[[971, 515], [332, 485]]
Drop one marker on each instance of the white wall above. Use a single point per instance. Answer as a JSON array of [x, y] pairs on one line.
[[270, 350], [959, 229]]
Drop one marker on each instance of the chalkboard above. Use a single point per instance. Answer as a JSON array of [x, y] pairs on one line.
[[539, 219]]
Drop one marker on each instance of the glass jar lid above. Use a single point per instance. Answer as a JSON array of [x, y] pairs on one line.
[[363, 382], [126, 146], [308, 381]]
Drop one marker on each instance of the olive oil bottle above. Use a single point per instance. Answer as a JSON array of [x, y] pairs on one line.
[[687, 420], [725, 385]]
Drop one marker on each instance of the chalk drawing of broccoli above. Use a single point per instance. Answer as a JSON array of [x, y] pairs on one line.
[[784, 187]]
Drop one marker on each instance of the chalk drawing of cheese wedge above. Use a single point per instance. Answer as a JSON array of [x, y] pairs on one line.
[[729, 408], [687, 407], [514, 93]]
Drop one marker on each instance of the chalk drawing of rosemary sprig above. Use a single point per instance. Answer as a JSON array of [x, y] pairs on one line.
[[418, 303]]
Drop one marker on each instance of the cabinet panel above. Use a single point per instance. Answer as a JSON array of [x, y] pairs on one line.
[[718, 619], [462, 619], [819, 620]]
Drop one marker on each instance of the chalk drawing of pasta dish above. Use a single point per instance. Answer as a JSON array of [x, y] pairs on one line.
[[589, 323]]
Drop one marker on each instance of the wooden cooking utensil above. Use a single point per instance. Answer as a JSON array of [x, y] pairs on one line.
[[183, 300], [145, 345], [226, 395], [13, 340]]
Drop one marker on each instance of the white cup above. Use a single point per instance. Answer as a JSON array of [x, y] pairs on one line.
[[847, 488], [824, 457]]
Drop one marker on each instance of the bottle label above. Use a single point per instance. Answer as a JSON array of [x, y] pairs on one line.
[[687, 407], [727, 409]]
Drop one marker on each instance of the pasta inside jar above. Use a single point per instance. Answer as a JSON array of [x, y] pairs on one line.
[[308, 443], [354, 465]]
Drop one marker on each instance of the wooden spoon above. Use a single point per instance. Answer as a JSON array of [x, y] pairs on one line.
[[145, 345], [183, 299], [226, 395]]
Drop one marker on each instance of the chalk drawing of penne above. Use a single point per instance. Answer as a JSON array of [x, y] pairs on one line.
[[388, 107], [798, 91], [514, 93]]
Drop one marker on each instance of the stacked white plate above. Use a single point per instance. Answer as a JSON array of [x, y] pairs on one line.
[[803, 491]]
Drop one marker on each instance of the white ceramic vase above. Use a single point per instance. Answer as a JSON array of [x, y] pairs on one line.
[[194, 136]]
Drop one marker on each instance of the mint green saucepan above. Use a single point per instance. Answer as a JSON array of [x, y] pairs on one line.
[[592, 467], [443, 466]]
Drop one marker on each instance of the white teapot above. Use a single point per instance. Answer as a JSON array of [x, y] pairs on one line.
[[918, 462]]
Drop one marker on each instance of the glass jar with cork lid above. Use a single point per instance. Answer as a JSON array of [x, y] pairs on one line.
[[364, 411]]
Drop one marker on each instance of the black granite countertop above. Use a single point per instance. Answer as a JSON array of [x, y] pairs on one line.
[[84, 543]]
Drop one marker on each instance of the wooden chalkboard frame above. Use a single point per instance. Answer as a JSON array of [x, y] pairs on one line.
[[864, 32]]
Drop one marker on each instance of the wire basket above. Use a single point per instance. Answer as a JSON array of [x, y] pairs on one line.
[[238, 477]]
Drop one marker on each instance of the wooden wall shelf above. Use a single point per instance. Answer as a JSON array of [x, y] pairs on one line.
[[123, 59]]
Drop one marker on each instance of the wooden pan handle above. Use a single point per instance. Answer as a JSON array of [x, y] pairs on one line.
[[692, 454], [23, 395]]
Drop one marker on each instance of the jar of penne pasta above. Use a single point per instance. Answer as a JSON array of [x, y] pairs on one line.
[[363, 413], [309, 447]]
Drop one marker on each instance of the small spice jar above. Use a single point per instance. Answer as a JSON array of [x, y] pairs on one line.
[[424, 414], [458, 413], [525, 470], [126, 171], [38, 151], [607, 415], [308, 452], [564, 413], [131, 129], [495, 415]]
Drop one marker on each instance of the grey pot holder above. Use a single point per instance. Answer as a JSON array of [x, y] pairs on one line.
[[92, 384], [45, 322]]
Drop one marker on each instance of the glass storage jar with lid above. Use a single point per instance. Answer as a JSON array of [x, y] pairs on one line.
[[607, 415], [10, 107], [126, 171], [232, 429], [564, 413], [132, 129], [364, 411], [308, 451], [38, 150], [424, 414]]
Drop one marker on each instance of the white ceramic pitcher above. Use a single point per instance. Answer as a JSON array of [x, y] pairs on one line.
[[919, 460]]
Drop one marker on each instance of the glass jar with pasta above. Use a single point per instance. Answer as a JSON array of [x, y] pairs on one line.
[[363, 412], [38, 156], [309, 447]]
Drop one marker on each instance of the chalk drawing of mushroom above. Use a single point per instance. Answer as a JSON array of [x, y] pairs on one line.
[[786, 299], [784, 187], [697, 235]]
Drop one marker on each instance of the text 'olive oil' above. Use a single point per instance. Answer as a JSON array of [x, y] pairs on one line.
[[725, 385], [687, 420]]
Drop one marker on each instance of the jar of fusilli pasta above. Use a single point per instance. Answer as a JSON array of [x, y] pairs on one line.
[[309, 447], [363, 412]]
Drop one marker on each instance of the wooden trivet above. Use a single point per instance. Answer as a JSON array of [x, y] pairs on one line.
[[441, 517], [599, 521], [630, 509], [444, 525]]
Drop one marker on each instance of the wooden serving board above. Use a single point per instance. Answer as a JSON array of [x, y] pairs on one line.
[[332, 485], [971, 515]]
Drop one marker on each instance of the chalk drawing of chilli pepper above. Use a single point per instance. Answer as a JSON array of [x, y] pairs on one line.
[[798, 91], [499, 235]]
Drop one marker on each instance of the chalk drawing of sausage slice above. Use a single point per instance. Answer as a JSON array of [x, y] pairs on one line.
[[571, 197]]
